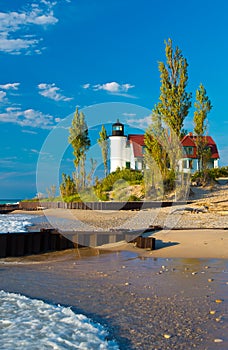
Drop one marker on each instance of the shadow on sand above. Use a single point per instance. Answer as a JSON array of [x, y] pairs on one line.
[[161, 244]]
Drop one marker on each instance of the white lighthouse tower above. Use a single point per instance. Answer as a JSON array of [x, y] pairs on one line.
[[118, 149]]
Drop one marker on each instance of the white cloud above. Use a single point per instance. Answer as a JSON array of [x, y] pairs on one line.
[[53, 92], [129, 114], [12, 25], [12, 109], [15, 46], [13, 86], [113, 87], [29, 132], [29, 117], [86, 86], [2, 96], [141, 123], [8, 162]]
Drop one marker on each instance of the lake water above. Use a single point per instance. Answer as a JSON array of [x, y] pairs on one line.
[[9, 201], [15, 222], [31, 324]]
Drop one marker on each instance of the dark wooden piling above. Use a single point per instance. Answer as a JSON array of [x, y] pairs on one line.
[[144, 242], [27, 243], [47, 240], [7, 208], [112, 205]]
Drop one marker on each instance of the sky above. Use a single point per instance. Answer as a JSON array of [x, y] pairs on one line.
[[102, 57]]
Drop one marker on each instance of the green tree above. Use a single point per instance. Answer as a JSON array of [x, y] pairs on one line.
[[67, 187], [174, 101], [93, 165], [163, 136], [103, 143], [51, 192], [153, 142], [202, 108], [79, 140]]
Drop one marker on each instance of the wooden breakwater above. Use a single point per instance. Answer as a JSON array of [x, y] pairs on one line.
[[49, 240], [24, 243], [7, 208], [138, 205]]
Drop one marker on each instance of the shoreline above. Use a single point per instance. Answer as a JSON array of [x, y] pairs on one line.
[[139, 300], [160, 299], [208, 238]]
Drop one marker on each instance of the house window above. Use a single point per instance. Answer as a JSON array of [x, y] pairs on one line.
[[128, 165], [185, 164], [188, 150]]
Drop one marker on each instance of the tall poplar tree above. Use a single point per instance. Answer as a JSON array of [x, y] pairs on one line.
[[203, 106], [79, 140], [153, 142], [103, 142], [162, 138], [175, 101]]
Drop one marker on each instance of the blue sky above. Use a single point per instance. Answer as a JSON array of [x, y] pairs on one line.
[[56, 55]]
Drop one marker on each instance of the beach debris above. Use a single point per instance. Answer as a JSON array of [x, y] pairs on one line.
[[123, 267], [127, 284], [217, 340], [204, 209], [212, 312], [218, 301], [210, 279], [218, 319], [167, 336], [194, 273], [206, 267]]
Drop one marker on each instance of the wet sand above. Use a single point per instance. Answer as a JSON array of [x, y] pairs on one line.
[[174, 297], [146, 303]]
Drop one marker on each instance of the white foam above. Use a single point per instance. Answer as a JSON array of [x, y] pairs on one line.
[[31, 324], [14, 223]]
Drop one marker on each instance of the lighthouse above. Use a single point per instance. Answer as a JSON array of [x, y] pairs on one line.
[[118, 147]]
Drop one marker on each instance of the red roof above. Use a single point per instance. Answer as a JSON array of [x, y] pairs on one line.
[[190, 141], [139, 139], [137, 142]]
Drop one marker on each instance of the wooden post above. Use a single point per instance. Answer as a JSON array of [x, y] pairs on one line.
[[3, 245]]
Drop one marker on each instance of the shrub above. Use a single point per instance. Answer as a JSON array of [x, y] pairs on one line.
[[134, 198], [203, 177], [133, 177]]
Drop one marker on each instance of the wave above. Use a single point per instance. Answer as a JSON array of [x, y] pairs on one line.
[[14, 223], [31, 324]]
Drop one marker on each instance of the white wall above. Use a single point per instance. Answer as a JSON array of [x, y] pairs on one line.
[[118, 152]]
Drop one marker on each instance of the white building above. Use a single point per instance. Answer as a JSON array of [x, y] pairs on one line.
[[190, 162], [127, 151]]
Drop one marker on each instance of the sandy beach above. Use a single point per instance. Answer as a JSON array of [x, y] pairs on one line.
[[145, 303], [196, 230], [174, 297]]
